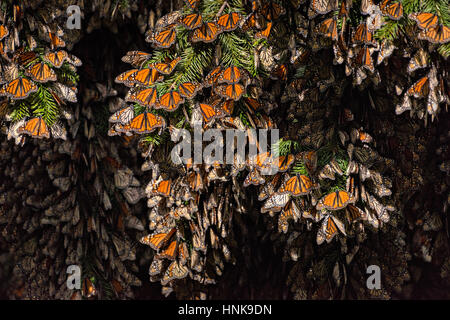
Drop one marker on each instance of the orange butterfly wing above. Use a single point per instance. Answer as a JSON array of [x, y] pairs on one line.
[[438, 34], [192, 21], [170, 101], [56, 58], [420, 89], [424, 20], [392, 10], [336, 200], [188, 89], [36, 128], [363, 35], [20, 88], [126, 76], [213, 76], [166, 68], [165, 38], [208, 32], [328, 28], [4, 32], [41, 72], [230, 75], [208, 112], [146, 77], [230, 91], [193, 4], [146, 123], [230, 21], [146, 97], [365, 59], [264, 34]]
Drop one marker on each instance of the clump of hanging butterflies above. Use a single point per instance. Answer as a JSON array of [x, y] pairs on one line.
[[38, 77], [165, 87], [356, 51], [339, 189]]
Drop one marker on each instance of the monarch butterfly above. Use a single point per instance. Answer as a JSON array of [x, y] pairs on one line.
[[280, 73], [328, 28], [367, 7], [74, 60], [424, 20], [254, 178], [252, 104], [249, 22], [230, 91], [363, 35], [419, 89], [324, 6], [158, 240], [4, 32], [230, 75], [261, 160], [56, 41], [227, 107], [213, 76], [264, 34], [418, 61], [175, 270], [284, 162], [290, 211], [208, 112], [65, 92], [354, 213], [166, 68], [195, 181], [364, 59], [56, 58], [229, 21], [58, 131], [36, 128], [146, 123], [310, 160], [122, 116], [170, 101], [145, 97], [438, 34], [269, 188], [155, 267], [191, 21], [20, 88], [136, 58], [335, 201], [125, 77], [343, 11], [88, 288], [297, 186], [386, 50], [164, 38], [329, 229], [188, 89], [146, 77], [208, 32], [392, 10], [275, 202], [41, 72], [193, 4], [272, 11], [164, 187]]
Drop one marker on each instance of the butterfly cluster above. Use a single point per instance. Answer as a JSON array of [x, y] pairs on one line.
[[38, 75]]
